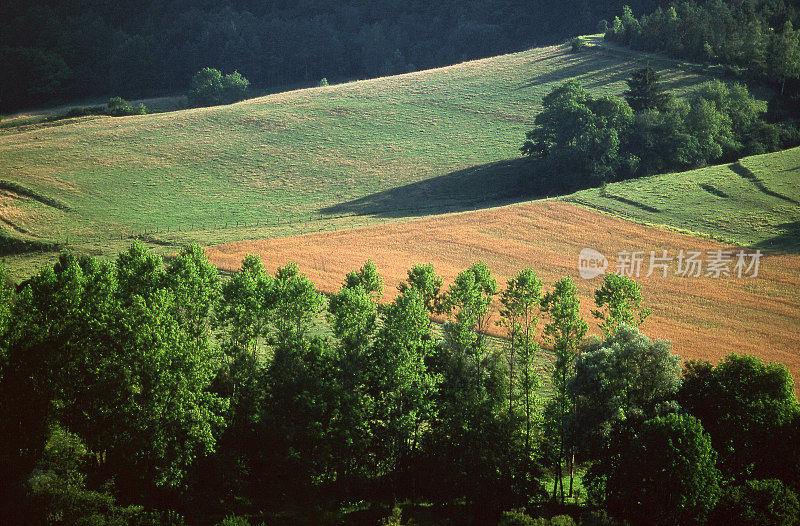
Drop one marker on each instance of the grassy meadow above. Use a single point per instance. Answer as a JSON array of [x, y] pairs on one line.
[[754, 202], [313, 159]]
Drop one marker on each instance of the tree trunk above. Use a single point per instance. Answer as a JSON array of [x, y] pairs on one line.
[[555, 483], [571, 471]]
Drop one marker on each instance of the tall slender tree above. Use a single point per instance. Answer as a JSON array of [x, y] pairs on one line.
[[564, 332]]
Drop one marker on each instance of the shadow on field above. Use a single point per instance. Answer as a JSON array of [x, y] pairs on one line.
[[572, 66], [493, 184], [787, 241], [748, 174], [635, 204], [713, 191]]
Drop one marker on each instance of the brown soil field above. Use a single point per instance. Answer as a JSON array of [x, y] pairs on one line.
[[703, 317]]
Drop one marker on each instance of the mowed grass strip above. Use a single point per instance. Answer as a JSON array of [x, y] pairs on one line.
[[437, 140], [703, 317]]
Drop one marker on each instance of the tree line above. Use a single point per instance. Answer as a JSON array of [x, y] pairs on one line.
[[758, 36], [139, 391], [53, 50], [586, 140]]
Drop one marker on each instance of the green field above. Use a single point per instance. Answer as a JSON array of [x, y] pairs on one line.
[[755, 202], [313, 159]]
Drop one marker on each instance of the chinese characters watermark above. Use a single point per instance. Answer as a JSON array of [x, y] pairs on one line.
[[685, 263]]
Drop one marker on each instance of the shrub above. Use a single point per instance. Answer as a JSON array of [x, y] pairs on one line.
[[516, 517], [206, 88], [394, 518], [578, 44], [156, 518], [119, 107], [234, 520], [758, 503], [323, 82], [82, 111], [234, 87], [676, 445], [209, 88]]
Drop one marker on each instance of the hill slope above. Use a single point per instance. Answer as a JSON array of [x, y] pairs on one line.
[[754, 202], [703, 317], [426, 142]]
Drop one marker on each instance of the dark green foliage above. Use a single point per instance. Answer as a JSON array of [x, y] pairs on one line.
[[119, 107], [427, 283], [584, 141], [139, 382], [466, 450], [758, 36], [667, 475], [206, 88], [564, 332], [751, 412], [580, 136], [105, 351], [57, 487], [516, 517], [618, 381], [521, 302], [160, 518], [210, 87], [645, 92], [759, 503], [30, 74]]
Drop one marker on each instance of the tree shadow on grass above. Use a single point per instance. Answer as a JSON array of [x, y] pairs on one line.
[[748, 174], [635, 204], [493, 184], [713, 191], [787, 241]]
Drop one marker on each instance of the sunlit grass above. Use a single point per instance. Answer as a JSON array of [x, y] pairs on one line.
[[286, 163]]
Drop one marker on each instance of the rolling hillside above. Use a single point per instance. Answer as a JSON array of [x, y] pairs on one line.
[[754, 202], [410, 145]]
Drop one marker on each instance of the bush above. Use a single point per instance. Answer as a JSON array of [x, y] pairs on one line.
[[234, 87], [323, 82], [578, 44], [395, 518], [516, 517], [209, 88], [82, 111], [758, 503], [234, 520], [119, 107], [156, 518], [676, 445]]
